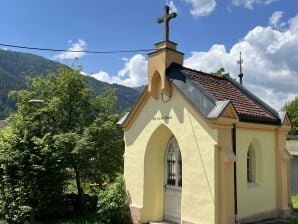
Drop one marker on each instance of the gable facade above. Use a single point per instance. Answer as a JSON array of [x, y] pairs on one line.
[[203, 149], [148, 137]]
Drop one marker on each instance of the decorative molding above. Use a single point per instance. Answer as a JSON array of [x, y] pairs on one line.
[[287, 121], [255, 126], [136, 109]]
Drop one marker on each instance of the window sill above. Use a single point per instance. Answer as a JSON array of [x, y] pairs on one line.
[[173, 188]]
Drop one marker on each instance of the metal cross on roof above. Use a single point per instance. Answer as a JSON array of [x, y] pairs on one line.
[[240, 62], [165, 19]]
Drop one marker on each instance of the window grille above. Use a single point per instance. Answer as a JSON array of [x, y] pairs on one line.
[[171, 166], [174, 165]]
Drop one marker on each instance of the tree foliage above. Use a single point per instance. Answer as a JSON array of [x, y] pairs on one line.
[[292, 109], [219, 73], [113, 204], [32, 177], [65, 132]]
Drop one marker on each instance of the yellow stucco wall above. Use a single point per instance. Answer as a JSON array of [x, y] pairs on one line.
[[259, 196], [146, 141]]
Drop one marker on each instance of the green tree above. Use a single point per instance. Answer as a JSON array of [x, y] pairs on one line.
[[61, 117], [220, 72], [102, 142], [31, 173], [292, 109]]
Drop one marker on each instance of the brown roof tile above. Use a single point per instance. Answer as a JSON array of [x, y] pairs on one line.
[[222, 88]]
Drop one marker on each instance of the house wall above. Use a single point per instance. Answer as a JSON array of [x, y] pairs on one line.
[[292, 147], [260, 196], [146, 142]]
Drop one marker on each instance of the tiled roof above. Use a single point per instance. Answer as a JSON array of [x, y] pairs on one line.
[[248, 106]]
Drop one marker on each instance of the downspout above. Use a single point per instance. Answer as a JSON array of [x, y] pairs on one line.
[[235, 171]]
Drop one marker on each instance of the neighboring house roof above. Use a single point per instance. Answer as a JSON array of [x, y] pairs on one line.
[[3, 124], [209, 89]]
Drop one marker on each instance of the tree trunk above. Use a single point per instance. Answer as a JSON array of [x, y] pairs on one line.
[[79, 189]]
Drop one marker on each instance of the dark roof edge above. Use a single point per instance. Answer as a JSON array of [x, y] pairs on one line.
[[206, 93], [161, 49], [254, 97], [192, 90], [253, 119]]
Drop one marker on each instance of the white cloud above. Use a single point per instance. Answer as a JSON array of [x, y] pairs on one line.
[[133, 74], [250, 3], [78, 46], [270, 62], [172, 6], [275, 20], [201, 7]]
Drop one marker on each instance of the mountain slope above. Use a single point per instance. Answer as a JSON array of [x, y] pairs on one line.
[[15, 66]]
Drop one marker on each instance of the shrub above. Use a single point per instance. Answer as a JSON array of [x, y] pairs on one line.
[[32, 180], [1, 208], [112, 204]]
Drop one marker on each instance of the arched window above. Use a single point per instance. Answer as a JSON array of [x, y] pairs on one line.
[[173, 164], [251, 164]]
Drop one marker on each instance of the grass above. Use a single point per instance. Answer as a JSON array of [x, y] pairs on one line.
[[295, 202]]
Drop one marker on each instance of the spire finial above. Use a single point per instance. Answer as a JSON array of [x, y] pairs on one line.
[[240, 62], [166, 19]]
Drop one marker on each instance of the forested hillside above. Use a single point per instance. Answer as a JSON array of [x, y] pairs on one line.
[[15, 66]]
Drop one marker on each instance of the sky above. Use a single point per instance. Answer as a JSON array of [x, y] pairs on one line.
[[211, 34]]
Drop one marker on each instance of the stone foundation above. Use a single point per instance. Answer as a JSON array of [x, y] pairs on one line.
[[257, 217], [284, 213], [135, 213]]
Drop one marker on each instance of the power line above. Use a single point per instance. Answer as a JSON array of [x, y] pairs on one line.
[[74, 51]]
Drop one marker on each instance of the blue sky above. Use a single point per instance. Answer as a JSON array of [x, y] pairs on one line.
[[211, 33]]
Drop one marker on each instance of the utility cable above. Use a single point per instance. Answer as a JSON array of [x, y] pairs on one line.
[[76, 51]]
